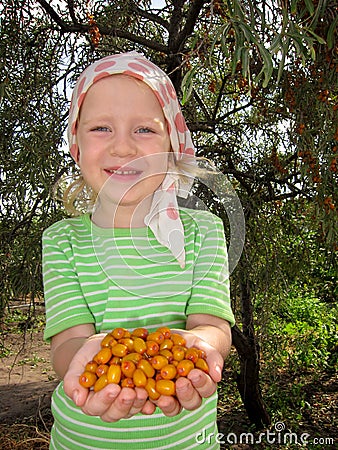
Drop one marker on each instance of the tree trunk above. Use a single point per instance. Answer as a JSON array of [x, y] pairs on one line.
[[248, 351], [248, 379]]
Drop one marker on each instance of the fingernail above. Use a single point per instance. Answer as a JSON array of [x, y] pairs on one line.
[[195, 378], [76, 397], [219, 371], [113, 394]]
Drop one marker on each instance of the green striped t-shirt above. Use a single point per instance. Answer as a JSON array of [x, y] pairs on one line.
[[125, 277]]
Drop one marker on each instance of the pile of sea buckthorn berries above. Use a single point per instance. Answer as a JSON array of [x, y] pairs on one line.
[[139, 358]]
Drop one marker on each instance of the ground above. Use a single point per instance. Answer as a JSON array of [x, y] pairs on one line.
[[27, 381]]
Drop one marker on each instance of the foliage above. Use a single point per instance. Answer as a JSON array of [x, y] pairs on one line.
[[303, 335], [259, 87], [266, 117]]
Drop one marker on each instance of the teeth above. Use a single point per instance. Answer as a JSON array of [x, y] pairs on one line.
[[124, 172]]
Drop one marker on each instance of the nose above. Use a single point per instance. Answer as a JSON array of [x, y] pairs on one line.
[[121, 144]]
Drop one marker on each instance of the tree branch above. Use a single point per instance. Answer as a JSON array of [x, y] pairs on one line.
[[150, 16], [71, 10], [84, 28], [193, 13]]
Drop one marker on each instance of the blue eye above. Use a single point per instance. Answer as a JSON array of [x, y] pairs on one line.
[[103, 129], [144, 130]]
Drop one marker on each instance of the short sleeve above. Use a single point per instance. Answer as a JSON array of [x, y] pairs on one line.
[[64, 301], [211, 287]]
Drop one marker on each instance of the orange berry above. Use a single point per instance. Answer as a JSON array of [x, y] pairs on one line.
[[103, 356], [165, 331], [201, 353], [108, 341], [128, 368], [156, 336], [147, 368], [127, 382], [102, 369], [87, 379], [192, 354], [135, 357], [178, 339], [119, 350], [101, 383], [139, 378], [115, 360], [184, 367], [167, 344], [168, 354], [178, 352], [114, 374], [139, 345], [150, 387], [202, 365], [159, 361], [168, 372], [165, 387], [140, 332], [118, 333], [91, 366], [128, 342], [152, 348]]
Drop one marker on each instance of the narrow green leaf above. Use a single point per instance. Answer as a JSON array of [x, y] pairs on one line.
[[276, 44], [267, 64], [309, 6], [248, 33], [245, 61], [236, 57], [220, 37], [331, 32], [293, 6], [312, 53], [284, 49], [187, 85], [318, 38], [237, 10], [297, 42]]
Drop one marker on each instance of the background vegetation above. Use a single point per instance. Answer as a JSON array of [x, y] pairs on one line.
[[258, 81]]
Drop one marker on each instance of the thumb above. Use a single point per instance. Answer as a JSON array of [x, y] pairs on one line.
[[215, 363], [74, 390]]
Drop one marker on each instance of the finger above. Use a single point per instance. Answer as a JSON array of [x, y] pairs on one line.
[[214, 358], [169, 405], [99, 402], [121, 407], [202, 383], [187, 395], [139, 402], [148, 408], [74, 390], [215, 363]]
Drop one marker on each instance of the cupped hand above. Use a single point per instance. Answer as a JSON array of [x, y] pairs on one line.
[[213, 357], [112, 403], [197, 385]]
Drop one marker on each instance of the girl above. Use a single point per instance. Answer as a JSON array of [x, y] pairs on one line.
[[133, 260]]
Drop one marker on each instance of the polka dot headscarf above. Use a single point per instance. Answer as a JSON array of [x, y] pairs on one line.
[[163, 217]]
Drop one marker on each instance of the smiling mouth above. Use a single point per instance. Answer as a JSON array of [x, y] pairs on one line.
[[126, 174], [123, 172]]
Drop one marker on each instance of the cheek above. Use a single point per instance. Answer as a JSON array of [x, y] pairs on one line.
[[159, 164]]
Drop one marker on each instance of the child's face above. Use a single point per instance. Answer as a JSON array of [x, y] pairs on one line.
[[123, 139]]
